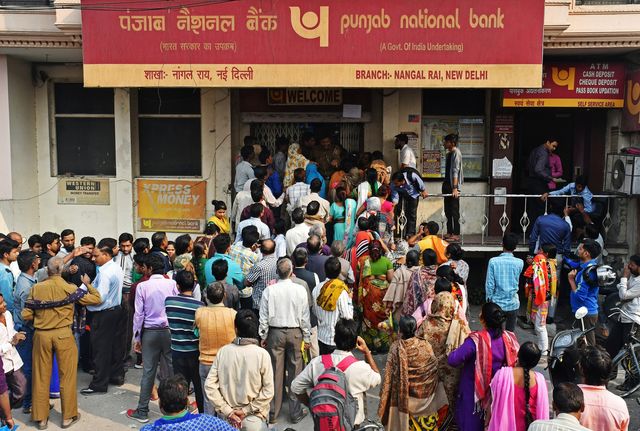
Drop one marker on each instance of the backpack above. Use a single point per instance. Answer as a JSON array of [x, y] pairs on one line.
[[332, 406], [408, 170]]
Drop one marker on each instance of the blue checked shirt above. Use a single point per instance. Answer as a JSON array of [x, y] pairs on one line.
[[412, 187], [585, 194], [503, 275]]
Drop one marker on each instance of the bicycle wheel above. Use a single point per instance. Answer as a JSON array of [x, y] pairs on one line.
[[625, 376]]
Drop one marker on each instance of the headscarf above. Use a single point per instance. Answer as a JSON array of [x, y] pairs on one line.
[[312, 174], [295, 160], [352, 179], [411, 373]]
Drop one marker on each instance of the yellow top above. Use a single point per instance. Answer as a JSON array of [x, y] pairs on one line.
[[223, 223]]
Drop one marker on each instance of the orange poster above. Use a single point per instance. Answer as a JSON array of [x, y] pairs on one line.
[[171, 205]]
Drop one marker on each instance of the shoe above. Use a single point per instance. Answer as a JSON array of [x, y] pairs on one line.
[[117, 382], [138, 366], [627, 385], [43, 425], [26, 410], [297, 419], [54, 395], [89, 391], [72, 422], [525, 325], [137, 416]]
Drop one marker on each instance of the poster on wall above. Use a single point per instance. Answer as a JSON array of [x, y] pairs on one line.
[[72, 191], [471, 142], [171, 205], [503, 132], [293, 43], [431, 161]]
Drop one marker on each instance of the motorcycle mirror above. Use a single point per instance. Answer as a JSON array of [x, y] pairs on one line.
[[581, 312]]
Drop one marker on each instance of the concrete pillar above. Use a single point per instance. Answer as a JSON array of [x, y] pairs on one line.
[[216, 144], [5, 129], [397, 106], [123, 184]]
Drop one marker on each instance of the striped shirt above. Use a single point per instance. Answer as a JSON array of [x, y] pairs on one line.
[[261, 275], [327, 319], [563, 422], [181, 314]]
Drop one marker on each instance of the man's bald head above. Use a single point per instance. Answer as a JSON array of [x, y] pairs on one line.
[[268, 247], [55, 265]]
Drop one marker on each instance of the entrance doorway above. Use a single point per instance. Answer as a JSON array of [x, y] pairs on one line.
[[349, 135]]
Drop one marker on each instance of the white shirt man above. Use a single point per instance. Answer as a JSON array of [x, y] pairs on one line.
[[324, 204], [327, 319], [297, 234], [263, 229], [407, 157], [361, 375], [285, 328], [295, 194], [267, 194]]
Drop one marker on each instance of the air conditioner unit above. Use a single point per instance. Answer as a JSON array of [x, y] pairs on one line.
[[623, 174]]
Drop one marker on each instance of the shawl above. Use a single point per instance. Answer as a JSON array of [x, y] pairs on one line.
[[435, 243], [542, 279], [411, 373], [245, 341], [295, 160], [482, 341], [398, 285], [361, 248], [35, 304], [223, 223], [329, 294], [503, 416], [444, 323], [349, 221], [420, 288], [383, 173]]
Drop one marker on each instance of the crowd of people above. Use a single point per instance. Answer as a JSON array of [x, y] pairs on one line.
[[270, 303]]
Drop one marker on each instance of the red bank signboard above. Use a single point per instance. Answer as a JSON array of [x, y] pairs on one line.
[[631, 111], [577, 85], [313, 43]]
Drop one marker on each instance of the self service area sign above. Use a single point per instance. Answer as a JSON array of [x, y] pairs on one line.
[[313, 43], [576, 85]]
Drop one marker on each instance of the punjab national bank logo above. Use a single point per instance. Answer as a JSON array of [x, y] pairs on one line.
[[311, 25], [564, 77], [633, 99]]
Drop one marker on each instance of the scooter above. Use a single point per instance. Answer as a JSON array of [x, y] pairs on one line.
[[565, 351]]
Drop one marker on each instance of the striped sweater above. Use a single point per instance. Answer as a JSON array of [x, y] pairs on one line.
[[181, 312]]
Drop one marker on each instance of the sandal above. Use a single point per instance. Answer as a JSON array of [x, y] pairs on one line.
[[43, 425], [73, 422]]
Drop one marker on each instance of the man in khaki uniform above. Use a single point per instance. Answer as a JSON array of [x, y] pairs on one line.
[[50, 305]]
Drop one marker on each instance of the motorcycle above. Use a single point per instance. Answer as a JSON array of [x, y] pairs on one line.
[[564, 353]]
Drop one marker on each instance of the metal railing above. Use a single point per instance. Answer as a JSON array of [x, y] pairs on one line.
[[505, 220]]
